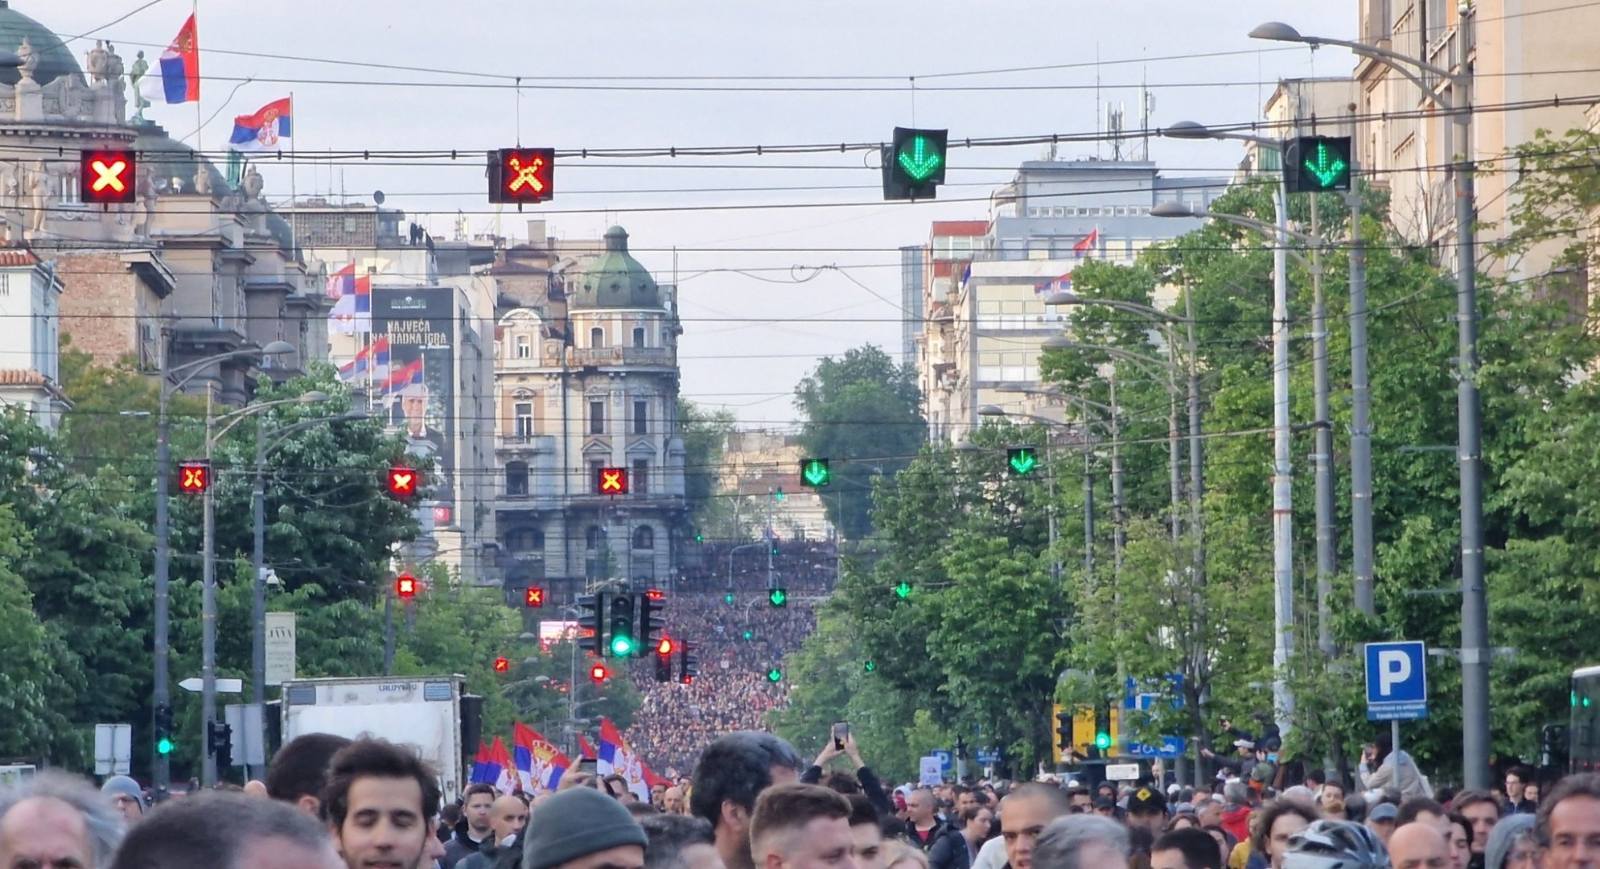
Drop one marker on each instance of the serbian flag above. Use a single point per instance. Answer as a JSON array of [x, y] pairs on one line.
[[1087, 243], [539, 764], [409, 374], [616, 758], [650, 777], [353, 312], [505, 776], [342, 282], [1061, 284], [482, 770], [180, 66], [585, 750], [265, 130], [372, 361]]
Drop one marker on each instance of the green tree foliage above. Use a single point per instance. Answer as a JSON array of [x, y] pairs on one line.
[[29, 682], [863, 412], [705, 436]]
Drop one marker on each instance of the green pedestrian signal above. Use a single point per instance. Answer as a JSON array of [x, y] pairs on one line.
[[1022, 460], [914, 163], [778, 597], [774, 675], [902, 590], [1314, 164], [815, 473]]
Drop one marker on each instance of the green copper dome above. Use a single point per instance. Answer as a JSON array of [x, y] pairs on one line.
[[55, 59], [615, 279]]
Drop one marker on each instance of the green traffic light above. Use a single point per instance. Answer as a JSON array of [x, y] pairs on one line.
[[775, 675], [748, 634], [919, 158], [1102, 740], [815, 473], [622, 646], [903, 590], [870, 666], [164, 746], [728, 598], [1023, 460], [1326, 166], [778, 597], [699, 538]]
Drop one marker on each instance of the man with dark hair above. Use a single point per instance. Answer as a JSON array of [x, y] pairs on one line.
[[474, 828], [798, 826], [866, 828], [1280, 820], [299, 770], [228, 831], [582, 828], [378, 803], [1082, 802], [507, 816], [975, 824], [1517, 778], [733, 770], [1024, 813], [679, 842], [1185, 848], [867, 780], [1569, 823], [945, 846], [1482, 810]]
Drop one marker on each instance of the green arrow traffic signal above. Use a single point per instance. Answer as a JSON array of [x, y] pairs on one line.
[[815, 473], [1022, 460], [870, 666], [774, 675], [914, 163], [902, 590], [1314, 164], [778, 597], [920, 157], [1326, 166]]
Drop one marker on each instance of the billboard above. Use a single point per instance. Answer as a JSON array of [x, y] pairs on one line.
[[417, 395]]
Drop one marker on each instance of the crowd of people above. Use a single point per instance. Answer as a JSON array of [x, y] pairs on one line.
[[333, 803], [737, 645], [803, 566]]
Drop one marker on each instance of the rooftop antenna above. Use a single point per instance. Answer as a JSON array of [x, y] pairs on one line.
[[1097, 129], [1114, 130]]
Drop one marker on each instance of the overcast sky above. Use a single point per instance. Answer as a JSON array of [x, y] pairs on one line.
[[748, 336]]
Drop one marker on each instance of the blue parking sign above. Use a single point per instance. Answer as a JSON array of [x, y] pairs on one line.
[[1397, 681]]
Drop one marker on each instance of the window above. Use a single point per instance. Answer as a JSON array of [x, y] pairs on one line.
[[638, 337], [516, 479], [525, 540], [641, 417], [524, 420], [597, 417], [644, 537], [640, 478], [597, 337], [524, 347], [594, 473], [592, 537]]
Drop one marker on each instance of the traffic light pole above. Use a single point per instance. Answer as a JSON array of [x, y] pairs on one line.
[[161, 772], [1360, 419], [208, 621], [1323, 459]]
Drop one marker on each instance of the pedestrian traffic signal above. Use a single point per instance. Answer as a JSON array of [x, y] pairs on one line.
[[592, 623], [611, 481], [502, 664], [652, 619], [533, 597], [902, 590], [219, 742], [598, 673], [778, 597], [108, 177], [914, 163], [194, 478], [403, 482], [815, 473], [688, 664], [163, 717], [1313, 164], [1022, 460], [405, 587], [775, 675], [522, 175], [624, 642]]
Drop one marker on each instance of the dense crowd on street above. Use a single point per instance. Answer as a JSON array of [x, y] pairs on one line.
[[803, 566], [332, 803]]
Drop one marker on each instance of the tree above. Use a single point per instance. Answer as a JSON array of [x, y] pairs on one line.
[[863, 412], [705, 436], [34, 722]]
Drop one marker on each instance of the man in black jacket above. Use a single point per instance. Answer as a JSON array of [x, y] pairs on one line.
[[871, 786]]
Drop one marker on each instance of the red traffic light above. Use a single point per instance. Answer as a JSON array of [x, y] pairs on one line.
[[655, 594], [522, 175], [599, 673], [405, 586], [666, 647], [107, 176], [611, 481], [502, 664], [194, 478], [533, 596], [403, 482]]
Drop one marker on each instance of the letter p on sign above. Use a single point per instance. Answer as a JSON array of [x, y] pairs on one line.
[[1394, 668]]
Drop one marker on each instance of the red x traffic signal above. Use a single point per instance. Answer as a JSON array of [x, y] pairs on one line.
[[599, 673], [502, 664], [405, 587], [194, 478], [533, 596], [611, 481], [107, 176], [522, 175], [404, 482]]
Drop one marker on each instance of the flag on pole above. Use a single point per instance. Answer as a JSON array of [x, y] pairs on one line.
[[180, 67], [482, 771], [342, 282], [353, 312], [539, 764], [585, 750], [1087, 243], [505, 776], [615, 758], [371, 363], [409, 374], [265, 130]]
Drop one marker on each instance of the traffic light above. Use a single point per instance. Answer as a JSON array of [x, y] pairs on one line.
[[611, 481], [592, 619], [775, 675], [914, 164], [1314, 164], [164, 743], [652, 619], [778, 597], [747, 635], [502, 664], [522, 175], [533, 597], [405, 587], [664, 650], [869, 667], [194, 478], [219, 742], [1022, 460], [688, 664], [1064, 731], [624, 641], [902, 590], [1104, 737], [598, 673], [108, 177], [815, 473], [403, 482], [728, 598]]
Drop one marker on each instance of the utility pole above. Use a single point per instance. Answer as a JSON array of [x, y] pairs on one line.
[[1360, 416], [1324, 444], [1282, 501], [161, 774]]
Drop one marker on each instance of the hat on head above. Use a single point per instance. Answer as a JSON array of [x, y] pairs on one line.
[[1146, 800], [1105, 803], [576, 823], [1384, 812], [121, 785]]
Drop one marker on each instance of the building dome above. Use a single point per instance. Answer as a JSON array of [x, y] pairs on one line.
[[173, 163], [55, 59], [614, 279]]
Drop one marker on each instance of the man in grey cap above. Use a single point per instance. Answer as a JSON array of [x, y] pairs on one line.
[[582, 828], [126, 795], [1381, 820]]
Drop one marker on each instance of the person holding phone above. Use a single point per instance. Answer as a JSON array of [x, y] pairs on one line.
[[840, 741]]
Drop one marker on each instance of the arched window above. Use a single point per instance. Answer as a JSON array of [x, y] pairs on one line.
[[516, 478], [597, 337], [591, 537], [644, 537]]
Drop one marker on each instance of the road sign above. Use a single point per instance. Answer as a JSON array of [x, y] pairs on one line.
[[1168, 747], [113, 748], [929, 767], [945, 760], [1122, 771], [280, 648], [249, 733], [988, 756], [1397, 681], [194, 684]]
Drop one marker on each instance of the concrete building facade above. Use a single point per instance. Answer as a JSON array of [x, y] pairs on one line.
[[30, 324]]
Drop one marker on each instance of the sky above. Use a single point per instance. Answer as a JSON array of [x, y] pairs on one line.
[[780, 259]]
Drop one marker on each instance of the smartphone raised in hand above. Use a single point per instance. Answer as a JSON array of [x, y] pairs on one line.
[[841, 731]]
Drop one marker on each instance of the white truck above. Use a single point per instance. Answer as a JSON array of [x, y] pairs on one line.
[[423, 712]]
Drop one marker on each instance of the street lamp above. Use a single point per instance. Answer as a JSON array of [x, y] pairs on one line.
[[1474, 604], [161, 687]]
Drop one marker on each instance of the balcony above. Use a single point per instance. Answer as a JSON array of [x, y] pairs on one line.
[[597, 357], [529, 444]]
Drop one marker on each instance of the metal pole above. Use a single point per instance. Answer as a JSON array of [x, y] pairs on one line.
[[1050, 468], [388, 632], [1118, 527], [1196, 449], [1323, 457], [258, 603], [161, 773], [1088, 498], [208, 621], [1360, 413], [1174, 452], [1282, 502]]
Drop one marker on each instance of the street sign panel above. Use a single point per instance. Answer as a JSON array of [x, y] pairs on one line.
[[929, 767], [249, 733], [224, 686], [280, 648], [945, 760], [988, 756], [113, 748], [1168, 747], [1122, 771], [1397, 681]]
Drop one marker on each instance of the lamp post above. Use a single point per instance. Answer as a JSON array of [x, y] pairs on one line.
[[1474, 604], [161, 681]]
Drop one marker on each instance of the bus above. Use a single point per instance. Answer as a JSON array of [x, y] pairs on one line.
[[1583, 731]]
